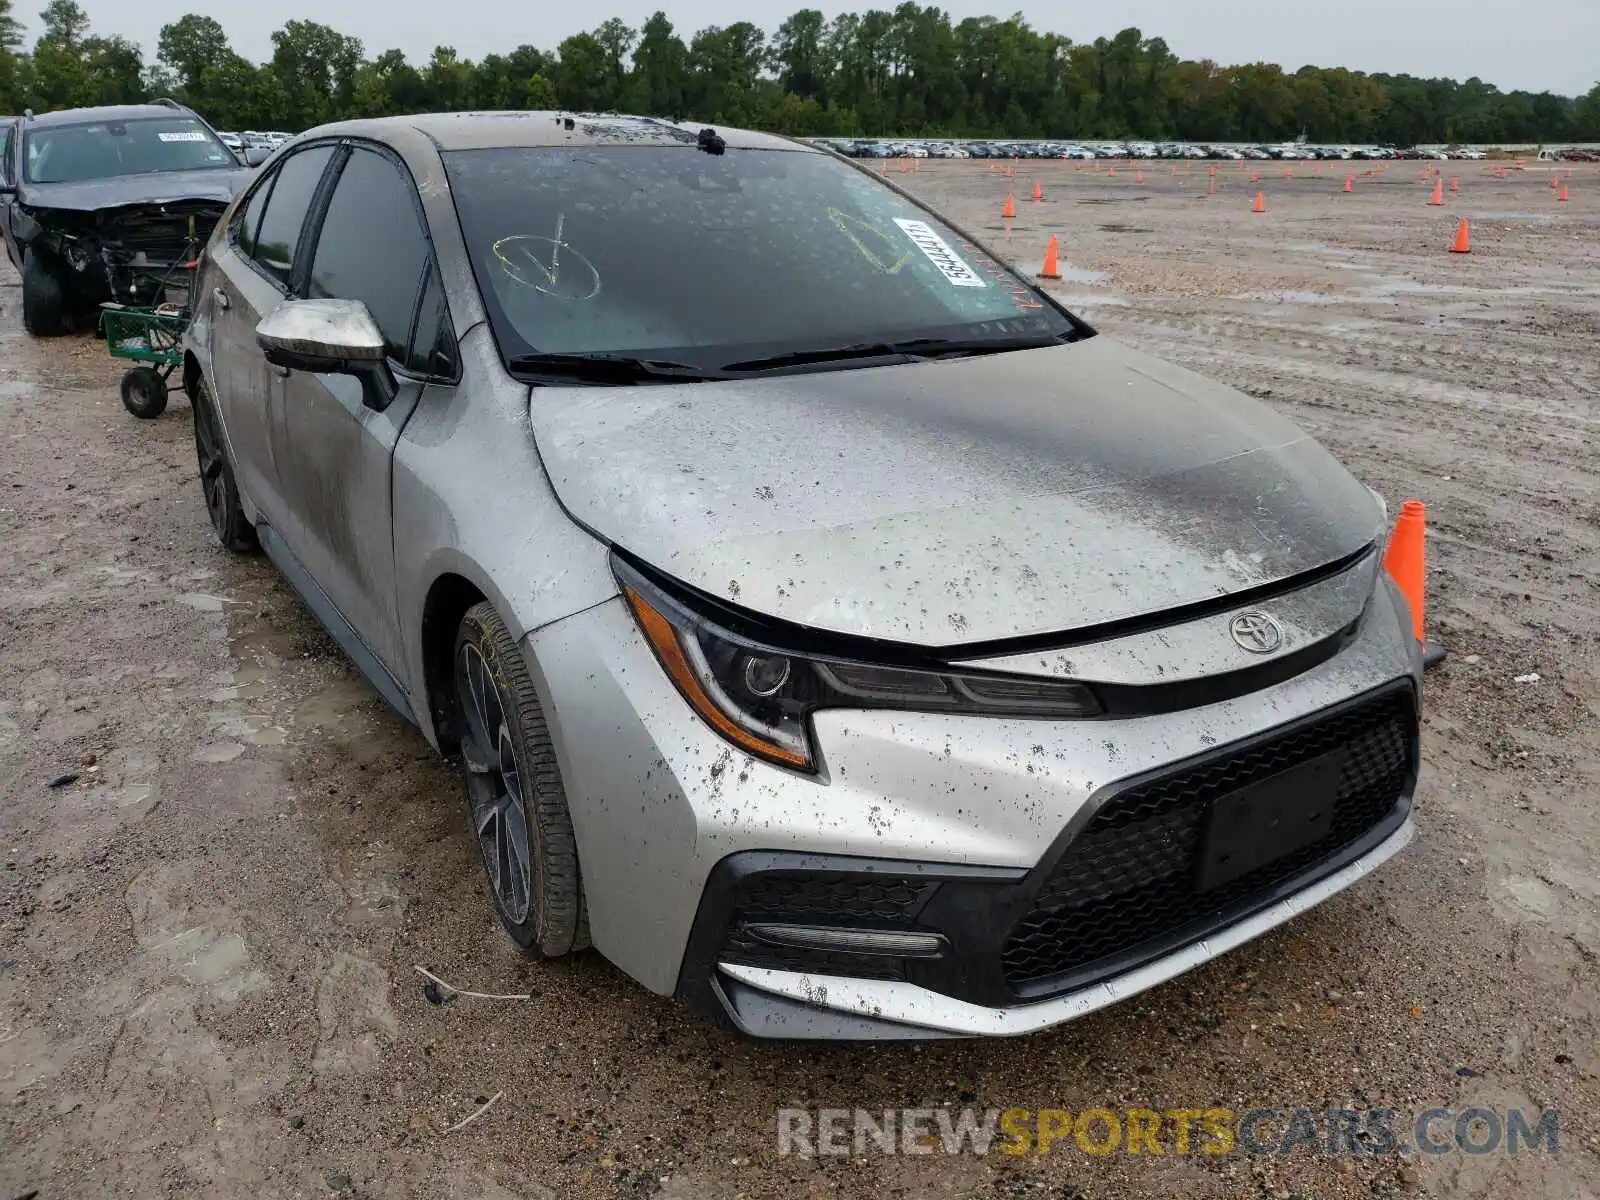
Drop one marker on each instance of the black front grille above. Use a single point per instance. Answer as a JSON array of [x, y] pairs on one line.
[[1128, 878], [840, 899]]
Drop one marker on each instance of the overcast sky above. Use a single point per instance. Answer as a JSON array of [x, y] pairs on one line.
[[1532, 44]]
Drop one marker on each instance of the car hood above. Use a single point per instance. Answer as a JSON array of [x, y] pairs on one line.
[[951, 503], [121, 191]]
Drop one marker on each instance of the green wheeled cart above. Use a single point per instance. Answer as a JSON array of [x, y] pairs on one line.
[[152, 338]]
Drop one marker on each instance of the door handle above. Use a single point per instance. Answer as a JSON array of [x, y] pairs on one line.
[[221, 297]]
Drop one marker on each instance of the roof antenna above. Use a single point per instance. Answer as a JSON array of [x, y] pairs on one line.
[[711, 141]]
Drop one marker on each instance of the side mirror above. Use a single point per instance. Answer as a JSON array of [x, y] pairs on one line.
[[330, 337], [254, 156]]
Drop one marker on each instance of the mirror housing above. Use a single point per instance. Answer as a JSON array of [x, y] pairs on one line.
[[330, 337]]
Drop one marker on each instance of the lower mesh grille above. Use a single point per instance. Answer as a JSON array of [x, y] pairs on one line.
[[1129, 876]]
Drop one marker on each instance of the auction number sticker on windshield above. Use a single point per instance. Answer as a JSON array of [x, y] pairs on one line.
[[184, 135], [938, 252]]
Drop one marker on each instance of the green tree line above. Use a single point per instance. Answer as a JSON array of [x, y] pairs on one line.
[[911, 71]]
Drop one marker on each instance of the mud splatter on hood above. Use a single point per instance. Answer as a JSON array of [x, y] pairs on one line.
[[957, 502]]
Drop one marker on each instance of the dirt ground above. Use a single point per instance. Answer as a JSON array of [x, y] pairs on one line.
[[208, 937]]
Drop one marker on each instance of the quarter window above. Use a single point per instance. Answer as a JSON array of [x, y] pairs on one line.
[[250, 218]]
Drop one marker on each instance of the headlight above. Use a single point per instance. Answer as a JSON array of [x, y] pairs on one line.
[[760, 696]]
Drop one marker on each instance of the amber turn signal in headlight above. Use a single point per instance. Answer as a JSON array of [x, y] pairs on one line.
[[760, 697]]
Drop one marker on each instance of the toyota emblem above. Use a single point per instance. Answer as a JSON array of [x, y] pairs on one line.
[[1256, 632]]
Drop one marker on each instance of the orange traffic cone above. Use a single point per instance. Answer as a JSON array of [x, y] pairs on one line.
[[1563, 196], [1554, 182], [1438, 192], [1455, 184], [1138, 176], [1038, 190], [1463, 241], [1405, 561], [1261, 203], [1010, 210], [1050, 270], [1008, 171], [1349, 183], [1113, 170]]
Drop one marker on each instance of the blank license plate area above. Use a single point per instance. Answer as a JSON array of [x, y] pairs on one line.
[[1269, 820]]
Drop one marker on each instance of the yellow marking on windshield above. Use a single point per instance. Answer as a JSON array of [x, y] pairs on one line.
[[524, 258], [844, 221]]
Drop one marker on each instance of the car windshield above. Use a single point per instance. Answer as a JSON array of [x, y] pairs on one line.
[[686, 257], [138, 146]]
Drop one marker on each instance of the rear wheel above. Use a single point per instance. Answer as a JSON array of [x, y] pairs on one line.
[[515, 799], [43, 306], [144, 393], [227, 514]]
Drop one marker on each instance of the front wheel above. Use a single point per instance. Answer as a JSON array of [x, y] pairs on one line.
[[43, 304], [515, 799]]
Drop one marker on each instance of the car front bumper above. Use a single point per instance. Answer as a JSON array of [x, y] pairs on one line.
[[957, 826], [769, 1003]]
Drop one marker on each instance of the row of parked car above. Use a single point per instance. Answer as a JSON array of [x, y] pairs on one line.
[[251, 146], [884, 148]]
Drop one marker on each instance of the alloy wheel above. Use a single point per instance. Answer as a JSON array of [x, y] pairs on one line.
[[494, 785]]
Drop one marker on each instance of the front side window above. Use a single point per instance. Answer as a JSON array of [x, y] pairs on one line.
[[372, 247], [709, 258], [278, 237], [105, 149]]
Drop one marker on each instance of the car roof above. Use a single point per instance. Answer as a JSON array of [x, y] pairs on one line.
[[109, 112], [494, 130]]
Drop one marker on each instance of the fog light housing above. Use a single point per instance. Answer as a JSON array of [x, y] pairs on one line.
[[889, 942]]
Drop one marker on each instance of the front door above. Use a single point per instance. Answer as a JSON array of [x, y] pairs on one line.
[[335, 455]]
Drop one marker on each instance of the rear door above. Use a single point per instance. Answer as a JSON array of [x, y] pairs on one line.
[[334, 454], [252, 273]]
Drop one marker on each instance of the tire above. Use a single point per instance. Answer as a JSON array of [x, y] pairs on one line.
[[515, 801], [43, 305], [144, 393], [228, 519]]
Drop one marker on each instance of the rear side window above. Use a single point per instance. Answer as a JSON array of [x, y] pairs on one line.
[[278, 236], [372, 247]]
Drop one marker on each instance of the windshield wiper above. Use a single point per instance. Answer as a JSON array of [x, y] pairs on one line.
[[805, 358], [911, 349], [607, 368]]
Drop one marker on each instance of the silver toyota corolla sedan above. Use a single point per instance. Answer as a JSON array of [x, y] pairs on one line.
[[833, 630]]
